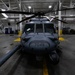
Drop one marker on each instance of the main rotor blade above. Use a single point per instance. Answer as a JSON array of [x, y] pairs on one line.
[[36, 13], [17, 12], [22, 12], [63, 9], [26, 19]]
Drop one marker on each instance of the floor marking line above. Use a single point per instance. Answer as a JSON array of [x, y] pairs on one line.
[[17, 40], [45, 69], [61, 39]]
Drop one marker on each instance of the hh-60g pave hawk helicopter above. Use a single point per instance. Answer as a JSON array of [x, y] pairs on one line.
[[39, 35]]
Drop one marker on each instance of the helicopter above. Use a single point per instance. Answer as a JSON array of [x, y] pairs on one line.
[[40, 38], [39, 35]]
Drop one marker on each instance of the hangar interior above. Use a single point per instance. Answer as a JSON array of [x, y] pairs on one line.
[[20, 63]]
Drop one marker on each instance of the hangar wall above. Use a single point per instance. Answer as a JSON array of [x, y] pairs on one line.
[[70, 19], [13, 26]]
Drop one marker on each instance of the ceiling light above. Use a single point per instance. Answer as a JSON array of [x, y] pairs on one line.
[[71, 15], [50, 6], [4, 13], [29, 7]]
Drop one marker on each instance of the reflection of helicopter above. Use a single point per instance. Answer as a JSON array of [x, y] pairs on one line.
[[39, 35]]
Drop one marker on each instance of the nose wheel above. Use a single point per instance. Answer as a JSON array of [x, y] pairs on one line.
[[54, 57]]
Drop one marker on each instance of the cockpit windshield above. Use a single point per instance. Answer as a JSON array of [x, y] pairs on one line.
[[49, 28], [39, 28], [29, 28]]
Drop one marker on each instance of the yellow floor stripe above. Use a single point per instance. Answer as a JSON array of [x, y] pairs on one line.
[[45, 70], [17, 40], [61, 39]]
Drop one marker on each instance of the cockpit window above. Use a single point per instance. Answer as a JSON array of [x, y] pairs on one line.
[[39, 28], [29, 28], [49, 28]]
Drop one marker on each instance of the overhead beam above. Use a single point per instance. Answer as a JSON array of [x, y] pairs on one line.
[[9, 5], [39, 1], [5, 4], [35, 2]]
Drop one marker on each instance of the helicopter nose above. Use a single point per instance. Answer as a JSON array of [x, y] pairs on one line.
[[39, 45]]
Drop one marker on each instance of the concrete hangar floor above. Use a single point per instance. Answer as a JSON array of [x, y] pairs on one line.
[[27, 65]]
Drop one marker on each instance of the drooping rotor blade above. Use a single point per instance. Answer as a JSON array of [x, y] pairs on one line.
[[63, 9], [61, 20], [17, 12], [26, 19]]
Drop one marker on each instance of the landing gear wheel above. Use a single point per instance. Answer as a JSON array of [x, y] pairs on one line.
[[54, 58]]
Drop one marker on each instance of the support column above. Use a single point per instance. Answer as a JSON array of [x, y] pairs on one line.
[[20, 18], [16, 27], [59, 22], [71, 5]]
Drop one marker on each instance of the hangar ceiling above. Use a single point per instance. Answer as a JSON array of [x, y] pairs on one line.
[[36, 5]]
